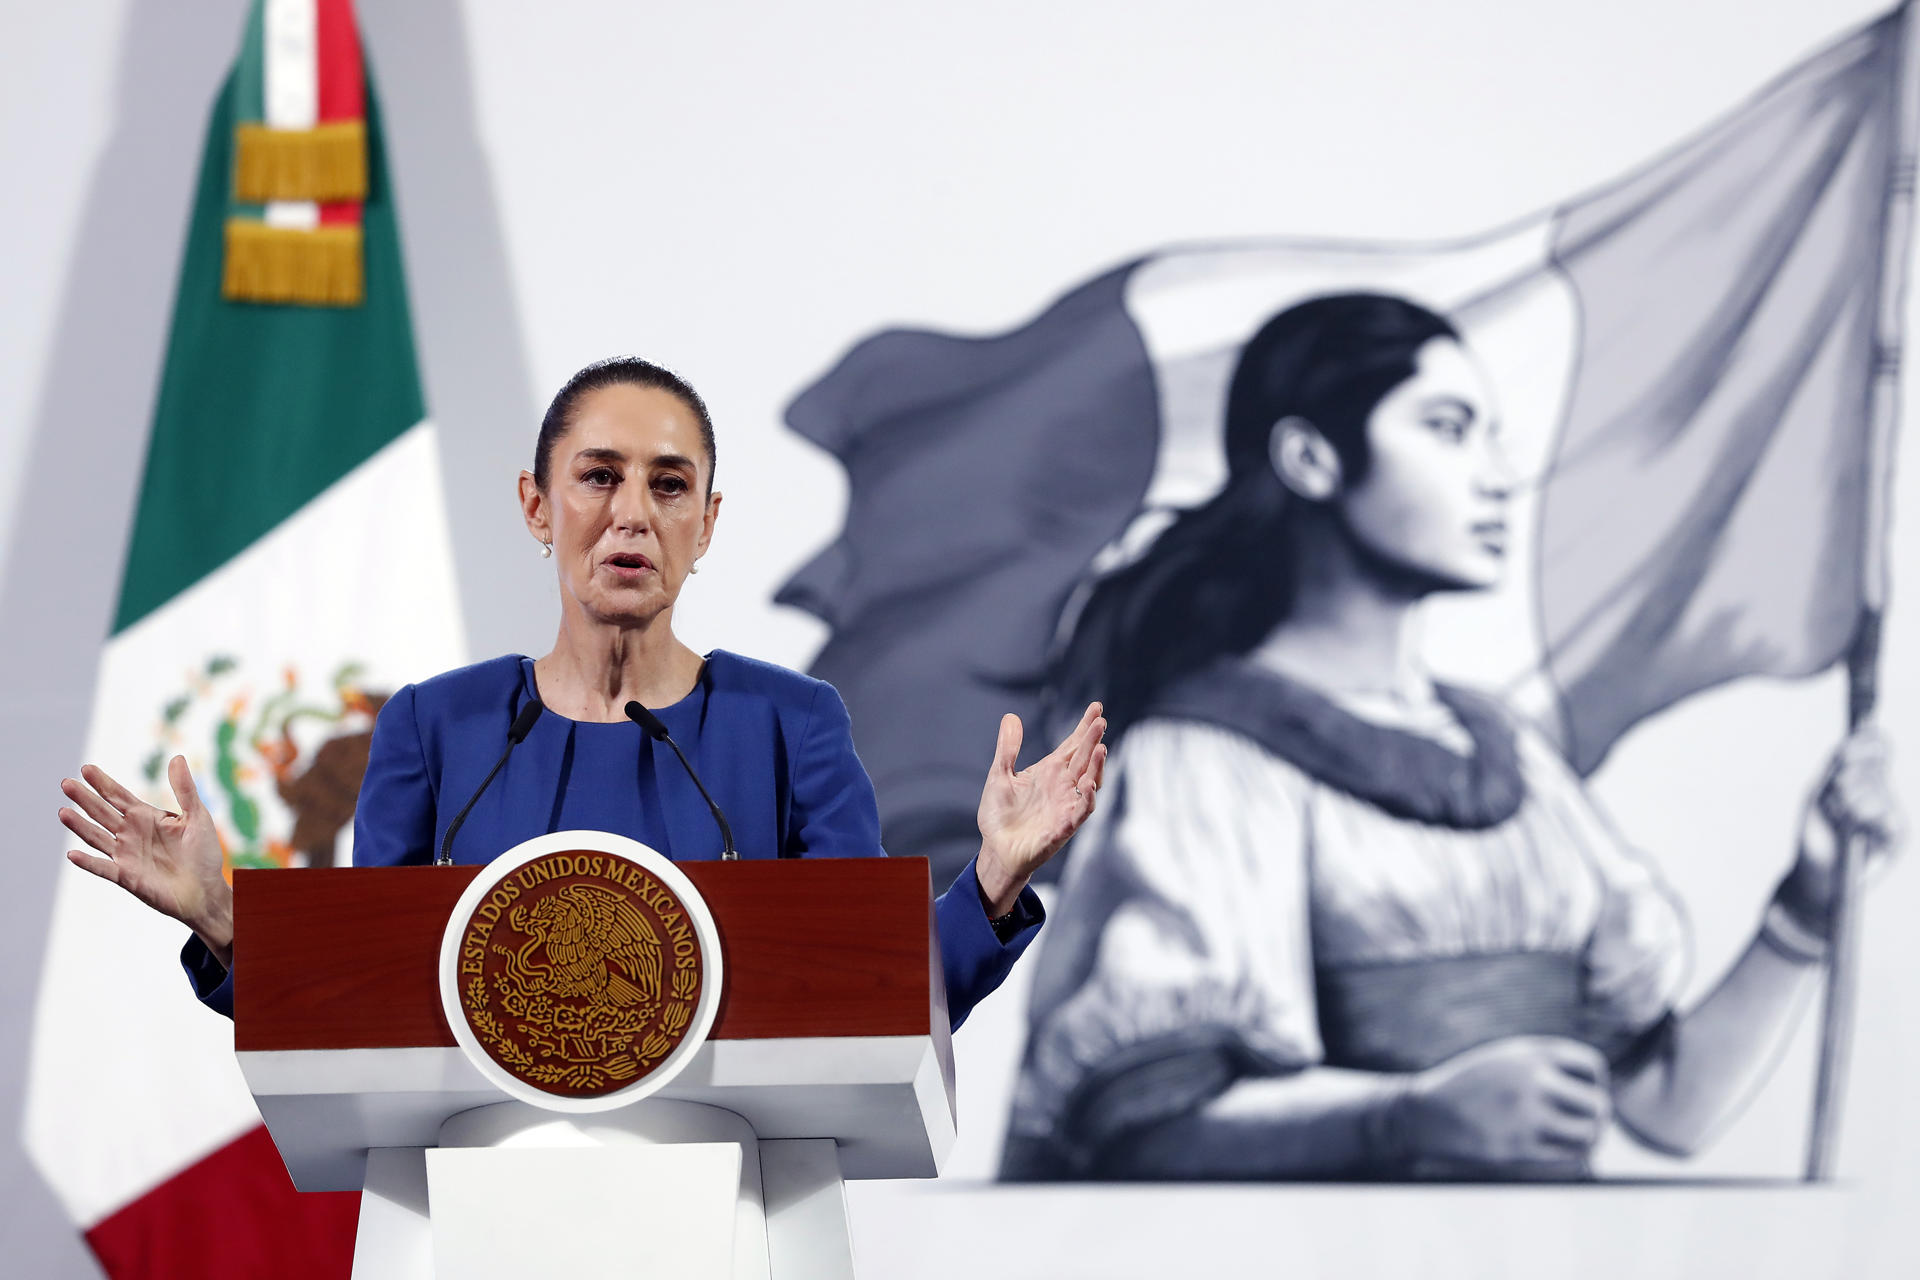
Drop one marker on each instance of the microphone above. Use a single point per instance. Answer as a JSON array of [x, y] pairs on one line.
[[522, 726], [658, 732]]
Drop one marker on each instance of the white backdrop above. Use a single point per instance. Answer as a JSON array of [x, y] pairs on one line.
[[740, 191]]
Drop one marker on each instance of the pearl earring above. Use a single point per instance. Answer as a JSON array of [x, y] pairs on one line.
[[695, 568], [546, 550]]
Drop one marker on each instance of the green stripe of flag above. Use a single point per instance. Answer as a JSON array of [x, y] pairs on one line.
[[249, 96], [250, 72], [262, 407]]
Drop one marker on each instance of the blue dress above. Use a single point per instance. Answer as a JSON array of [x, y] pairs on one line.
[[775, 747]]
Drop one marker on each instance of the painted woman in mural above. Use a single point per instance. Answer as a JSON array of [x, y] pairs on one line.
[[1340, 920]]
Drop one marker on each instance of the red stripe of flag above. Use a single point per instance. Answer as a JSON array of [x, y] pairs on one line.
[[342, 84], [337, 46], [232, 1216]]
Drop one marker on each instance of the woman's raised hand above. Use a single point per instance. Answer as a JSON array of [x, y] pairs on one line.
[[1025, 817], [1855, 800], [170, 861]]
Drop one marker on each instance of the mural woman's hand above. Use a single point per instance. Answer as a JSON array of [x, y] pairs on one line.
[[170, 861], [1523, 1100], [1855, 799], [1025, 817]]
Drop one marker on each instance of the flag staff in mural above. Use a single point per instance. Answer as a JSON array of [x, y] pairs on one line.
[[1374, 552], [1864, 655]]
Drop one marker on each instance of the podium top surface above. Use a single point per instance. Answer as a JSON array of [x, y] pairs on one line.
[[347, 958]]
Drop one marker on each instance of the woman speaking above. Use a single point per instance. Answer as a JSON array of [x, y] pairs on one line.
[[621, 498]]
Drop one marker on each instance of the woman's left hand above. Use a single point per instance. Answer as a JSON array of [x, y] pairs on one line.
[[1025, 817], [1855, 800]]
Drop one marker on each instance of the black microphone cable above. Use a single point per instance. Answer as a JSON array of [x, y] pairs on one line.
[[656, 730], [522, 726]]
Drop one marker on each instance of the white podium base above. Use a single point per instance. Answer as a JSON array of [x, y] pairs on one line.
[[659, 1189]]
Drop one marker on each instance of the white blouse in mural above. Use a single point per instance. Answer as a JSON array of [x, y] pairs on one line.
[[1219, 881]]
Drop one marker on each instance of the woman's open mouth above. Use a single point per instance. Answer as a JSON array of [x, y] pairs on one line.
[[628, 564]]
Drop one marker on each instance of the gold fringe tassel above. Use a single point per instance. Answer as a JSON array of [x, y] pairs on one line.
[[317, 268], [324, 163]]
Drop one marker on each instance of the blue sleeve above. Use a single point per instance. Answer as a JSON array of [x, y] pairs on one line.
[[835, 815], [393, 823], [976, 958], [212, 981]]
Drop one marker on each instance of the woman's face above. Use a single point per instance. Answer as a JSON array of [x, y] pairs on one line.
[[626, 506], [1434, 499]]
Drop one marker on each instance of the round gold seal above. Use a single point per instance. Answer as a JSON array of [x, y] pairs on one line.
[[579, 972]]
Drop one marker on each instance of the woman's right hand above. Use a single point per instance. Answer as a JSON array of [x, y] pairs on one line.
[[1520, 1101], [170, 861]]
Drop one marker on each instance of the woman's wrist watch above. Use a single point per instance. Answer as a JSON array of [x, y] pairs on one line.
[[1003, 925]]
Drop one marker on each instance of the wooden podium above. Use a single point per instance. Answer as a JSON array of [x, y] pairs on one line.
[[829, 1058]]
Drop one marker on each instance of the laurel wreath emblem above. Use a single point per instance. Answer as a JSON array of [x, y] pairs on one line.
[[580, 973]]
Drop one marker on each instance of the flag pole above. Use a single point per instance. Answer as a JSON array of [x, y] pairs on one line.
[[1863, 658]]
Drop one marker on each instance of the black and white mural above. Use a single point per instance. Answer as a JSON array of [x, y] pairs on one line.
[[1373, 553]]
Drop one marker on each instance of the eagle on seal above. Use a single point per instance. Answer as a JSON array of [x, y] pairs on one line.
[[595, 944]]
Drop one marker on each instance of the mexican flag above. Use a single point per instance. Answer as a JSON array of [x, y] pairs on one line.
[[1695, 369], [289, 566]]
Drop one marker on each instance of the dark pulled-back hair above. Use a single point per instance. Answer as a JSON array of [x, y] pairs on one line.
[[1215, 582], [624, 371]]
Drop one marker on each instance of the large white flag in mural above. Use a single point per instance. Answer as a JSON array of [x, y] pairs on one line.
[[1683, 365]]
